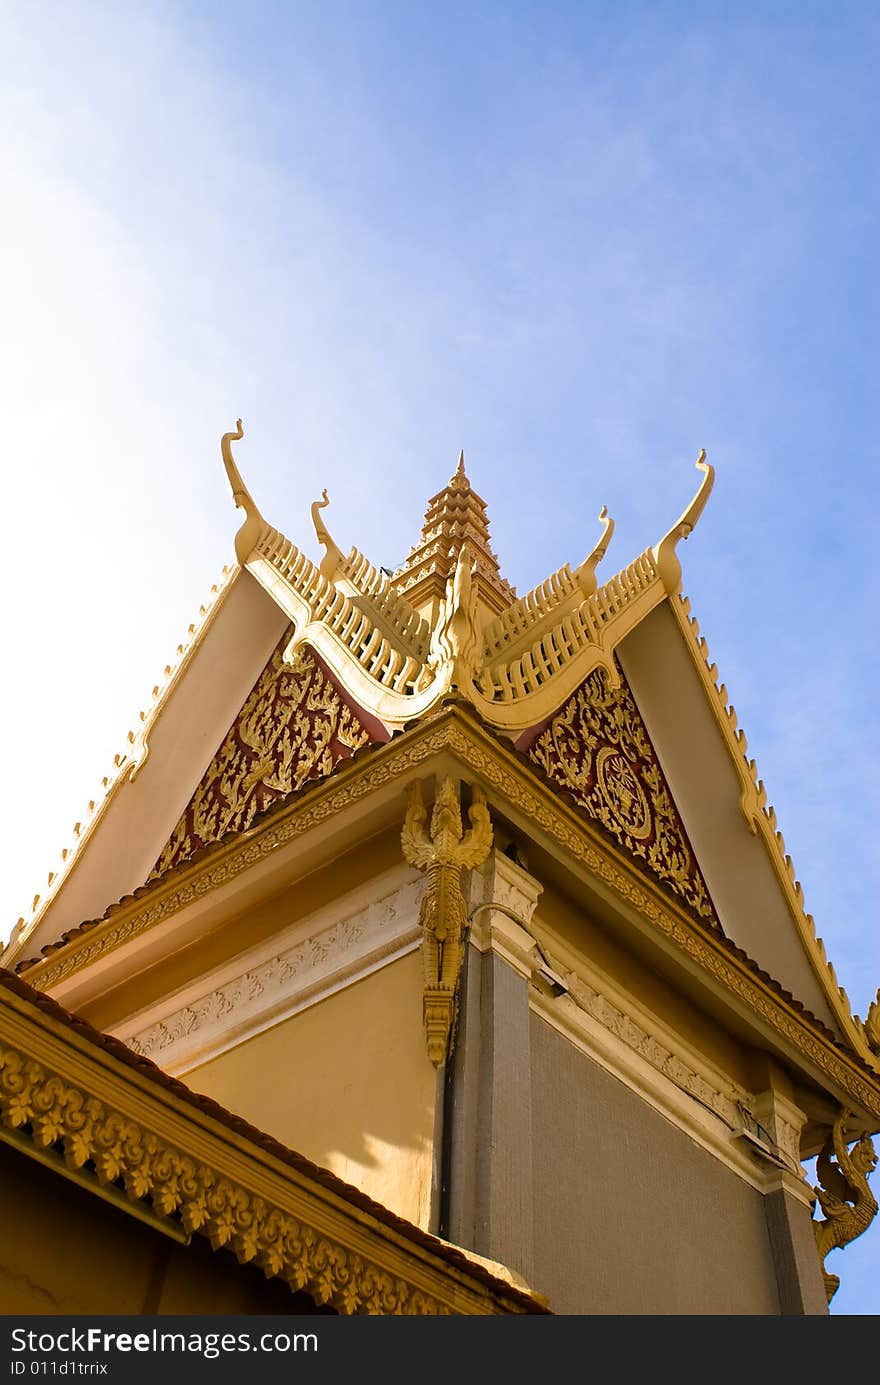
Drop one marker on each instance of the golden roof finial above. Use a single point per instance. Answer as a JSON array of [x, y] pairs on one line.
[[668, 566], [459, 481], [586, 573], [249, 532], [333, 555]]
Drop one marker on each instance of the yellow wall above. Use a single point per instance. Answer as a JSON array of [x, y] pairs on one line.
[[347, 1083]]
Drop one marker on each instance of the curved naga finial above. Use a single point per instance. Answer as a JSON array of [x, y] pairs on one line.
[[586, 573], [668, 566], [249, 532], [333, 555], [843, 1194]]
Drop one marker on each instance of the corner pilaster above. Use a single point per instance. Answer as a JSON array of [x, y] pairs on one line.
[[488, 1168], [788, 1202]]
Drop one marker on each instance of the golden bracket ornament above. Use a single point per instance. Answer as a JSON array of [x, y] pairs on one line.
[[443, 852], [843, 1194]]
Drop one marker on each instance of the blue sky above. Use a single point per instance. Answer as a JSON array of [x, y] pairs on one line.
[[580, 241]]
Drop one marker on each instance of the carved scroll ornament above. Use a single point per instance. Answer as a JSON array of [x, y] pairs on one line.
[[293, 727], [843, 1194], [443, 852]]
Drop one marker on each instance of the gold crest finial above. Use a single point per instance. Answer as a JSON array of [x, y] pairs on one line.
[[668, 565], [249, 532], [333, 554]]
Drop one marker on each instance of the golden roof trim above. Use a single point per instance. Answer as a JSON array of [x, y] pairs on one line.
[[204, 1175], [502, 770]]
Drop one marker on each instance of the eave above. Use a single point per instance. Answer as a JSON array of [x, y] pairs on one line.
[[187, 1165]]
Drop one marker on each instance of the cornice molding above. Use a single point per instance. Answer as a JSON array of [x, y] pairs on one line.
[[610, 1026], [512, 786], [59, 1093]]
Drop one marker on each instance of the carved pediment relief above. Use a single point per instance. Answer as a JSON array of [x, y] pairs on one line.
[[294, 727], [597, 747]]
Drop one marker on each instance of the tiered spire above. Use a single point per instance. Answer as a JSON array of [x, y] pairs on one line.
[[455, 516]]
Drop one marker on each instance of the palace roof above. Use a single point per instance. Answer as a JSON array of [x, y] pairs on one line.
[[378, 653]]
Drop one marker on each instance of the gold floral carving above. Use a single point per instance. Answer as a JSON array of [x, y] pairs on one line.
[[276, 1233], [510, 778], [597, 747], [843, 1194], [443, 853], [293, 727]]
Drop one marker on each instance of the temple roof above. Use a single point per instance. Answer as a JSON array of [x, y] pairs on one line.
[[75, 1060], [393, 649]]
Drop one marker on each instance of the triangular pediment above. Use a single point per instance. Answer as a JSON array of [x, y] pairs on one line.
[[596, 748], [295, 726]]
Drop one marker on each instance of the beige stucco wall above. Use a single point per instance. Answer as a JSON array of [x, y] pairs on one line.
[[347, 1083], [636, 1218]]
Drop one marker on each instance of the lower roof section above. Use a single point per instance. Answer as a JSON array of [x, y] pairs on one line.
[[82, 1102]]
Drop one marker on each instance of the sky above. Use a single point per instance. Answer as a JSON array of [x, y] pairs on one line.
[[580, 241]]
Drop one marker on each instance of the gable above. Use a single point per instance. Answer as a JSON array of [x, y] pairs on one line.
[[598, 749], [117, 844], [295, 726]]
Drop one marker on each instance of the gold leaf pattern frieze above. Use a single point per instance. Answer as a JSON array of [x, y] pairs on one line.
[[264, 1219], [295, 726], [597, 747]]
